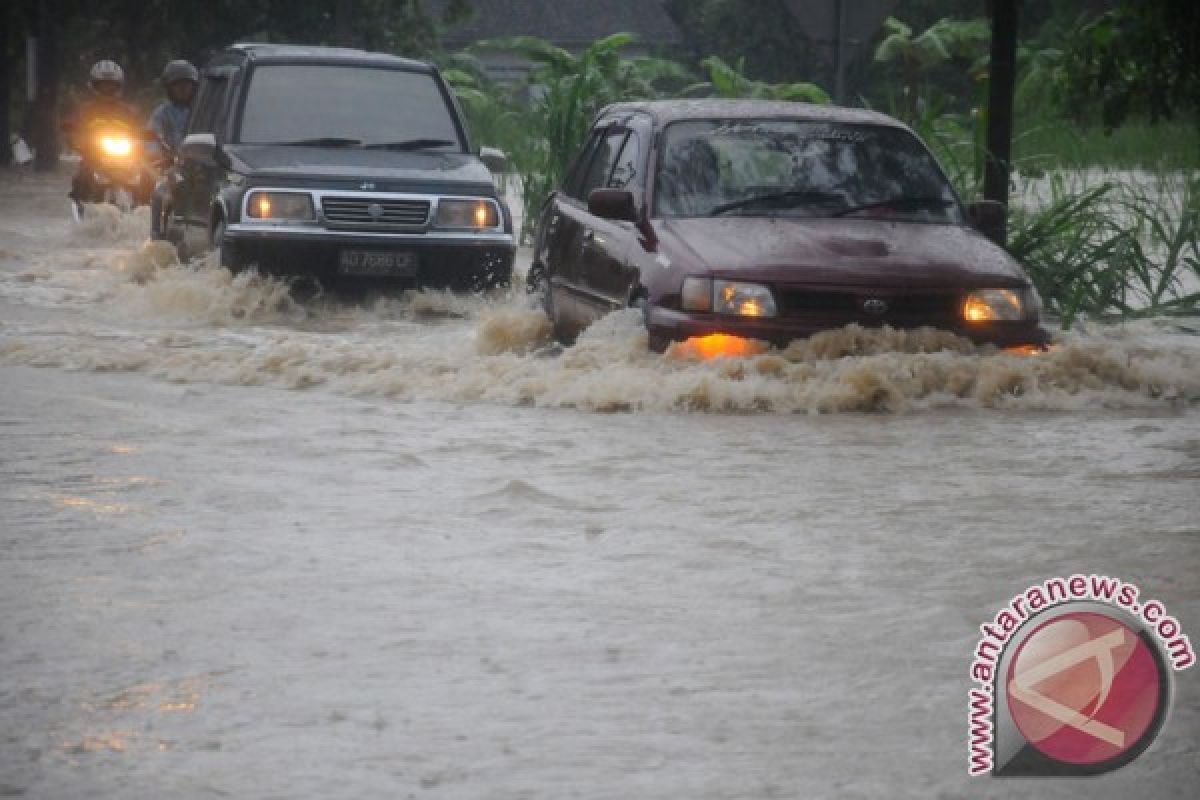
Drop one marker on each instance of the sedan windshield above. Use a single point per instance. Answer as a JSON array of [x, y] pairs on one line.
[[342, 106], [782, 167]]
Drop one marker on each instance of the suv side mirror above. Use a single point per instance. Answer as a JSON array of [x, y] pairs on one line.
[[615, 204], [200, 147], [495, 160], [987, 215], [203, 147]]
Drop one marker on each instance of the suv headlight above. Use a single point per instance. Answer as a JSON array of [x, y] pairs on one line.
[[280, 206], [1002, 305], [727, 297], [465, 214]]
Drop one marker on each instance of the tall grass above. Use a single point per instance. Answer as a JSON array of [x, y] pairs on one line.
[[1124, 247], [1136, 144]]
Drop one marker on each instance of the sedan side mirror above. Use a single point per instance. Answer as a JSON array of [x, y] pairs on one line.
[[495, 160], [987, 215], [615, 204]]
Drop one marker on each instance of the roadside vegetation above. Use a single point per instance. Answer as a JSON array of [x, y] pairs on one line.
[[1105, 209]]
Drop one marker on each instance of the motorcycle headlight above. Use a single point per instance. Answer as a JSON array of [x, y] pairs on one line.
[[281, 206], [727, 297], [116, 146], [1002, 305], [467, 214]]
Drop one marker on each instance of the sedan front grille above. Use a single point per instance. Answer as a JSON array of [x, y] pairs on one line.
[[375, 214], [916, 307]]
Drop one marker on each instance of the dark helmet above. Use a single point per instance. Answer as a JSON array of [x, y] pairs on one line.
[[179, 70], [106, 72]]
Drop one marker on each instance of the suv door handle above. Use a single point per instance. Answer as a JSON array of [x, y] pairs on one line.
[[589, 241]]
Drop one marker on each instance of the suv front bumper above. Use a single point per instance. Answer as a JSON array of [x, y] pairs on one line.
[[444, 260]]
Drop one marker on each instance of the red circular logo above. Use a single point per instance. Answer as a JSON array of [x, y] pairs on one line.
[[1084, 688]]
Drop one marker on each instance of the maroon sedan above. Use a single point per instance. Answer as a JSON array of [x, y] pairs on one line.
[[752, 220]]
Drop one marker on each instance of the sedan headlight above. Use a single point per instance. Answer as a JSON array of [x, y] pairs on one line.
[[467, 214], [1002, 305], [727, 297], [280, 206]]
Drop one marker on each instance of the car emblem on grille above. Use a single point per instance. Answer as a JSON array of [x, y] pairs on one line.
[[366, 186], [375, 210], [875, 305]]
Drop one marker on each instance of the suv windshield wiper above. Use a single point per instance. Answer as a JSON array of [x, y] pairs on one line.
[[903, 203], [323, 141], [789, 199], [409, 144]]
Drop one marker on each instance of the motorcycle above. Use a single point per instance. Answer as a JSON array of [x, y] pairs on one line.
[[114, 168]]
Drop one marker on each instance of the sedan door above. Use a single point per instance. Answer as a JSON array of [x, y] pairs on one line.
[[561, 236], [607, 263], [601, 242]]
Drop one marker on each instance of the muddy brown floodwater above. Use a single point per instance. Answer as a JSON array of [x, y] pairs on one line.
[[256, 545]]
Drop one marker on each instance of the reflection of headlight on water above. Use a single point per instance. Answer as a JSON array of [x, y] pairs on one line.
[[116, 146], [719, 345]]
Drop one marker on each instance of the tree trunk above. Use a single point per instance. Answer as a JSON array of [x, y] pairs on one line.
[[45, 103], [343, 23], [1002, 78], [7, 20]]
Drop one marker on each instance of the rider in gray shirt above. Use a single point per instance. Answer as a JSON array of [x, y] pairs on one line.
[[169, 121]]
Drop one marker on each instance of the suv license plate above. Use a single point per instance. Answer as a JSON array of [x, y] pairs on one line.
[[377, 262]]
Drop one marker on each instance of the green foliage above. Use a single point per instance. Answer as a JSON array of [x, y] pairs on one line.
[[1127, 248], [914, 57], [1143, 56], [543, 122], [764, 35], [725, 80]]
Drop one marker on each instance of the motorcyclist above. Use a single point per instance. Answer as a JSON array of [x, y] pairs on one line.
[[169, 122], [107, 82]]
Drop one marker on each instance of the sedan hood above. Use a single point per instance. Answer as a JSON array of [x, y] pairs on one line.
[[848, 252], [383, 167]]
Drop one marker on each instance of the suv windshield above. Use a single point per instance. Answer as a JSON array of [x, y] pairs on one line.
[[350, 106], [774, 167]]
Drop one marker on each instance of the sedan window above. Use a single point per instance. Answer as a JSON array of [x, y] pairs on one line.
[[373, 106], [602, 162], [773, 167]]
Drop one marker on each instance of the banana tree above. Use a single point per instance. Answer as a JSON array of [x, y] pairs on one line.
[[560, 96], [726, 80]]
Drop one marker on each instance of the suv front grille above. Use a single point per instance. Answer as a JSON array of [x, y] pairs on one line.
[[355, 213]]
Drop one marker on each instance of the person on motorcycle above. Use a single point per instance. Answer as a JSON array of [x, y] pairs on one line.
[[107, 82], [169, 122]]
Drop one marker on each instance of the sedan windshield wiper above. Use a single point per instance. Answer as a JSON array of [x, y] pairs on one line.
[[409, 144], [789, 199], [903, 203], [323, 141]]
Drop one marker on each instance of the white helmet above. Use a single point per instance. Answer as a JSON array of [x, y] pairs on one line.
[[179, 70], [106, 72]]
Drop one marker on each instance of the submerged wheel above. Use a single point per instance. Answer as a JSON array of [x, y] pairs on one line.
[[560, 334], [226, 251]]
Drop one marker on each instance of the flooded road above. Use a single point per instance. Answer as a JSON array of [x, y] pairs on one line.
[[258, 546]]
